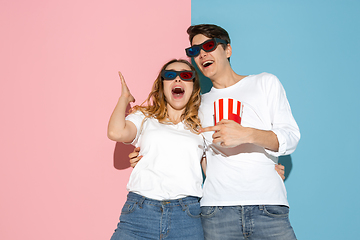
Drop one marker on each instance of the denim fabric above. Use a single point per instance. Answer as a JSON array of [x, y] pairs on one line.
[[270, 222], [143, 218]]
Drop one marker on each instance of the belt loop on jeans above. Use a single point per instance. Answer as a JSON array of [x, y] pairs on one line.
[[182, 204], [261, 207], [141, 201]]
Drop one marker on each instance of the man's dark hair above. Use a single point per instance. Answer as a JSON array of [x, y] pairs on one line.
[[208, 30]]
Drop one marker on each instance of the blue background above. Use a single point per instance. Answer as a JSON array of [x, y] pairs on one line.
[[313, 47]]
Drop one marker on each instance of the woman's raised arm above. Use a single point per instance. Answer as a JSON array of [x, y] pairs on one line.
[[119, 129]]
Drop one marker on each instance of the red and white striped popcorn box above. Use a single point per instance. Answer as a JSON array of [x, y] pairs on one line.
[[228, 108]]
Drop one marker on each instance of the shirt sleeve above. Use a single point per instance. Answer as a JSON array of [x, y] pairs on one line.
[[283, 122], [136, 118]]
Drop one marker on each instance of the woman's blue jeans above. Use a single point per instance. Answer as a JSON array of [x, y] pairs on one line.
[[144, 218], [269, 222]]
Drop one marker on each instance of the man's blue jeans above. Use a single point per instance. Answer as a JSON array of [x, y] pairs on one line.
[[254, 222], [144, 218]]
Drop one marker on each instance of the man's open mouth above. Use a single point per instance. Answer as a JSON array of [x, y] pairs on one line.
[[207, 63]]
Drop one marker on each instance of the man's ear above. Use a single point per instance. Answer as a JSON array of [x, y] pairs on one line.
[[228, 51]]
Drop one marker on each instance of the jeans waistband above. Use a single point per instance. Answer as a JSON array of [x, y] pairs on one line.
[[170, 202]]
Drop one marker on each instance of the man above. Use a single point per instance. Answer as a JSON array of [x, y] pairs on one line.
[[243, 197]]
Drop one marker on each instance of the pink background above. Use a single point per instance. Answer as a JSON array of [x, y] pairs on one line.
[[60, 177]]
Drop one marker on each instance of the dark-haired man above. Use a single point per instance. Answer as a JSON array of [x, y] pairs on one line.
[[244, 197]]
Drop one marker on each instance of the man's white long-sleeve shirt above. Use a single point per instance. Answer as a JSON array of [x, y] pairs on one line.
[[245, 175]]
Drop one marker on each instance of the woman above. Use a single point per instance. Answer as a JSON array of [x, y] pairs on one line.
[[165, 187]]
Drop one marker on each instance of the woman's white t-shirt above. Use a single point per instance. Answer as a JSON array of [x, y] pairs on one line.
[[170, 167]]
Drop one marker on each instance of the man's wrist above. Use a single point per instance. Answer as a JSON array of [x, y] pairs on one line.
[[255, 136]]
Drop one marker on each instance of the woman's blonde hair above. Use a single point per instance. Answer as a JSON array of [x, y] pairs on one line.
[[155, 106]]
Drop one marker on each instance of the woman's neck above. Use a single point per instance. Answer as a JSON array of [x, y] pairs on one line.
[[174, 115]]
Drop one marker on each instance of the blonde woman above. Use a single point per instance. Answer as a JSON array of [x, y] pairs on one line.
[[166, 185]]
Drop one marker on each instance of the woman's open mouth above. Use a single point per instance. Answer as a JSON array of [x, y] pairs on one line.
[[178, 92]]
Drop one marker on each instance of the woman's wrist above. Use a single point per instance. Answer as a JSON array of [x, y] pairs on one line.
[[125, 99]]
